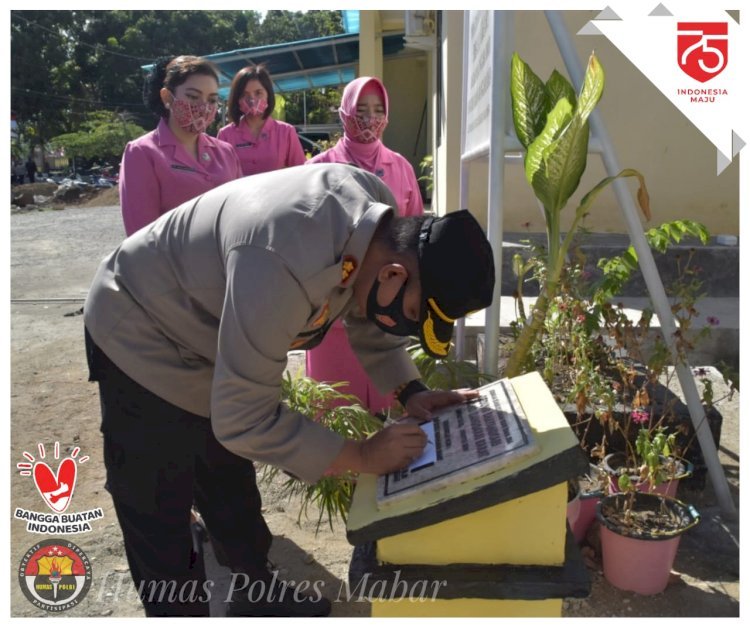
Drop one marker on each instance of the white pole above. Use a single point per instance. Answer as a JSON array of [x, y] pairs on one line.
[[463, 189], [502, 32]]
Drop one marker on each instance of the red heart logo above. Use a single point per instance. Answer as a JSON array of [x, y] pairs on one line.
[[56, 490]]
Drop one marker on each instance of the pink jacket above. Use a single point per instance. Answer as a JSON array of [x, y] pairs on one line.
[[157, 174], [395, 171], [277, 146]]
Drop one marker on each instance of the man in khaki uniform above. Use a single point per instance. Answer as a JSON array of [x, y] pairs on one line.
[[192, 317]]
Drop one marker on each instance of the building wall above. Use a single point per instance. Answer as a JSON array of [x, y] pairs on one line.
[[448, 103], [405, 78], [648, 132]]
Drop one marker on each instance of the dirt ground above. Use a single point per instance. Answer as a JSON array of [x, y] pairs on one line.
[[54, 254]]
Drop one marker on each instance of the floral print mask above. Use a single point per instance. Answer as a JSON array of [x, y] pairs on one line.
[[364, 130], [193, 117], [253, 107]]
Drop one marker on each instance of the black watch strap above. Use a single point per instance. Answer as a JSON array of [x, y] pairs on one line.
[[405, 391]]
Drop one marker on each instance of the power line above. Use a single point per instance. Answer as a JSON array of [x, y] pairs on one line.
[[73, 99], [97, 47]]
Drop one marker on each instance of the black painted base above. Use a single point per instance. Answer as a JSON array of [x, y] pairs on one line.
[[373, 580]]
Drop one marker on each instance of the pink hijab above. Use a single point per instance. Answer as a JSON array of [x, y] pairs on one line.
[[366, 156]]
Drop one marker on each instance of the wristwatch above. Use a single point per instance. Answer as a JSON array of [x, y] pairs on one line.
[[403, 392]]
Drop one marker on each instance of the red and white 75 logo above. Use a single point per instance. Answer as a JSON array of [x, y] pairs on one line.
[[702, 48]]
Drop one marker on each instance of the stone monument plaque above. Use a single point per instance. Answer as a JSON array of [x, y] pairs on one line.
[[464, 442]]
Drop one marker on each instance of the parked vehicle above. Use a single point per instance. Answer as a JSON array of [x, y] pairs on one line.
[[315, 138]]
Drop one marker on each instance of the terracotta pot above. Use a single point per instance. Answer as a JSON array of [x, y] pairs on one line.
[[641, 560]]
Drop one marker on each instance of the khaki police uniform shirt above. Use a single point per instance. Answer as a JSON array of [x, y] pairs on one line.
[[201, 306]]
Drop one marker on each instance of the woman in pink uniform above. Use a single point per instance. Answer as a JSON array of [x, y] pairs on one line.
[[364, 114], [262, 143], [176, 161]]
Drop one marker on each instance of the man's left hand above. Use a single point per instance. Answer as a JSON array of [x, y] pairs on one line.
[[422, 405]]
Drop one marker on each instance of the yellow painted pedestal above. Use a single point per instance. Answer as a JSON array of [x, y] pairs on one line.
[[497, 541]]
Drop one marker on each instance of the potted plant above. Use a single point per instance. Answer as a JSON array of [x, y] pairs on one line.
[[589, 352], [640, 534], [551, 123], [652, 467], [584, 493]]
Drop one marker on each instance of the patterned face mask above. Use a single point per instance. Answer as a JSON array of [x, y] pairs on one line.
[[193, 117], [364, 130], [253, 107]]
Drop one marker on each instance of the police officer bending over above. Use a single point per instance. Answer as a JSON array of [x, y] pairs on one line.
[[188, 325]]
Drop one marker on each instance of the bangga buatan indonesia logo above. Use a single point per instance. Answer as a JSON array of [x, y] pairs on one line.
[[702, 49], [56, 488], [55, 575]]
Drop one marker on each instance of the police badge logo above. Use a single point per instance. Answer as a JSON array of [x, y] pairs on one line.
[[55, 575]]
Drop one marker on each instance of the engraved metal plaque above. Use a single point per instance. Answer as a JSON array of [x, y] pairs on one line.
[[464, 442]]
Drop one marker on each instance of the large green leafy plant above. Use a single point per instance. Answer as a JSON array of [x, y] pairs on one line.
[[551, 122]]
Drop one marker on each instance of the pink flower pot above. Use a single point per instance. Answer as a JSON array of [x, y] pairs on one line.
[[581, 514], [613, 462], [642, 562], [665, 488], [638, 565], [573, 512]]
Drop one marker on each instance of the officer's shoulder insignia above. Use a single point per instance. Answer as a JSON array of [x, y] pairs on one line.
[[348, 266]]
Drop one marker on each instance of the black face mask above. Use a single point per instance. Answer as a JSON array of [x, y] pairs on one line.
[[394, 310]]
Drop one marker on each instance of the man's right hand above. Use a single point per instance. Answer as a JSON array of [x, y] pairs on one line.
[[390, 449]]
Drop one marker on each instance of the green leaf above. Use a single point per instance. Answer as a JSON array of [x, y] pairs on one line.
[[592, 88], [529, 101], [565, 156], [565, 161], [557, 157], [559, 87], [630, 258], [675, 232], [624, 483], [700, 231], [591, 195]]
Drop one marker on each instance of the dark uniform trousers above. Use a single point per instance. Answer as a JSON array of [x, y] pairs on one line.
[[160, 460]]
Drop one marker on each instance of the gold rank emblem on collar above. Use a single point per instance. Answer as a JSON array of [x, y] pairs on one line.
[[348, 266]]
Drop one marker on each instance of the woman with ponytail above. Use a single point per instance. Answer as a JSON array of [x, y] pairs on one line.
[[176, 161], [364, 115], [262, 143]]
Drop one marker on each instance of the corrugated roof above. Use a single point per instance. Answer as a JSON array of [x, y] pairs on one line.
[[298, 65], [307, 64]]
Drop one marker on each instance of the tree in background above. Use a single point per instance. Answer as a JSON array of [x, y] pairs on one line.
[[67, 64], [103, 136], [284, 26], [320, 104], [43, 79]]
